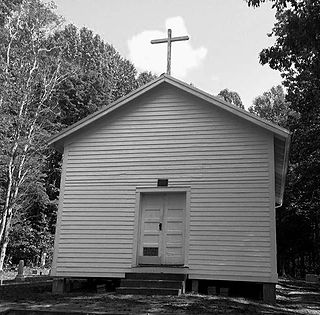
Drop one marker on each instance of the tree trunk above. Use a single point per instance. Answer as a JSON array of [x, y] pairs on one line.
[[8, 193], [5, 240], [3, 252], [284, 270]]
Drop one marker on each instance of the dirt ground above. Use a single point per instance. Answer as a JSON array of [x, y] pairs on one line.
[[293, 297]]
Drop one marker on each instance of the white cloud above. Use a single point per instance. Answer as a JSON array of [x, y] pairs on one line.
[[215, 78], [153, 57]]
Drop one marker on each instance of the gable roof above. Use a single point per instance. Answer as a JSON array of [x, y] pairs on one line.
[[281, 134]]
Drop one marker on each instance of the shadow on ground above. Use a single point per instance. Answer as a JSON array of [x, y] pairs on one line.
[[293, 297], [299, 296]]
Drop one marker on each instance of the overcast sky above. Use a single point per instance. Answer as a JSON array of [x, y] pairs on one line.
[[226, 37]]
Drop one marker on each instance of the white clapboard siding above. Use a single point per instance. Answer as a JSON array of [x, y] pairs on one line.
[[226, 161]]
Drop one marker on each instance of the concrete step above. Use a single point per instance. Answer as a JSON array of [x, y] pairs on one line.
[[156, 276], [148, 291], [137, 283]]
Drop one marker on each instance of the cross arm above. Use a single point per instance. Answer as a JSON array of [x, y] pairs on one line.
[[159, 41], [179, 38], [173, 39]]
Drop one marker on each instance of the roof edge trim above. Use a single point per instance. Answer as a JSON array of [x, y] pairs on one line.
[[104, 110], [229, 107], [183, 86]]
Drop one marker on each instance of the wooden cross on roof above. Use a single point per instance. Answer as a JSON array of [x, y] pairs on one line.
[[169, 40]]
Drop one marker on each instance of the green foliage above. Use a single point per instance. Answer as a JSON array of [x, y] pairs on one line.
[[100, 77], [231, 97], [49, 79], [32, 232], [30, 70], [272, 106], [296, 54], [144, 78], [276, 3], [6, 7]]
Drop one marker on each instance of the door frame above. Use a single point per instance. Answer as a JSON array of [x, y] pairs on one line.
[[138, 214]]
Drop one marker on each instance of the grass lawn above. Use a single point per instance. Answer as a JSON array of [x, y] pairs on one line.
[[293, 297]]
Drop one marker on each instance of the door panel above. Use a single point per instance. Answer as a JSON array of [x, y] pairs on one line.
[[174, 228], [162, 228], [152, 212]]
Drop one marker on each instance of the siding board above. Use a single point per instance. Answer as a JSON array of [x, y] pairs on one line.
[[168, 134]]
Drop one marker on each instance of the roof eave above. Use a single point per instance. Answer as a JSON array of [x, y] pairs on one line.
[[103, 111], [179, 84], [229, 107]]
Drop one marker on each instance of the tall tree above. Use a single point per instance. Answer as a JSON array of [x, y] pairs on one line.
[[271, 105], [50, 77], [30, 70], [296, 54], [101, 75], [231, 97], [145, 77], [6, 7]]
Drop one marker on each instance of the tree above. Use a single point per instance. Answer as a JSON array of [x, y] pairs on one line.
[[231, 97], [296, 54], [272, 106], [30, 71], [145, 77], [6, 7], [49, 79], [31, 236], [101, 75]]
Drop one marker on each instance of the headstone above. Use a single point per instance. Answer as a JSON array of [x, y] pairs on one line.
[[43, 260], [20, 276]]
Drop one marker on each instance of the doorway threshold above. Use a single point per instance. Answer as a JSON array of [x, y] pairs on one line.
[[161, 269]]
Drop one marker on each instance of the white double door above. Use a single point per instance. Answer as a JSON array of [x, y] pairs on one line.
[[162, 228]]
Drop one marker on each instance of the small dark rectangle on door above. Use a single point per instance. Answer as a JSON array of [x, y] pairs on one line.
[[150, 251]]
